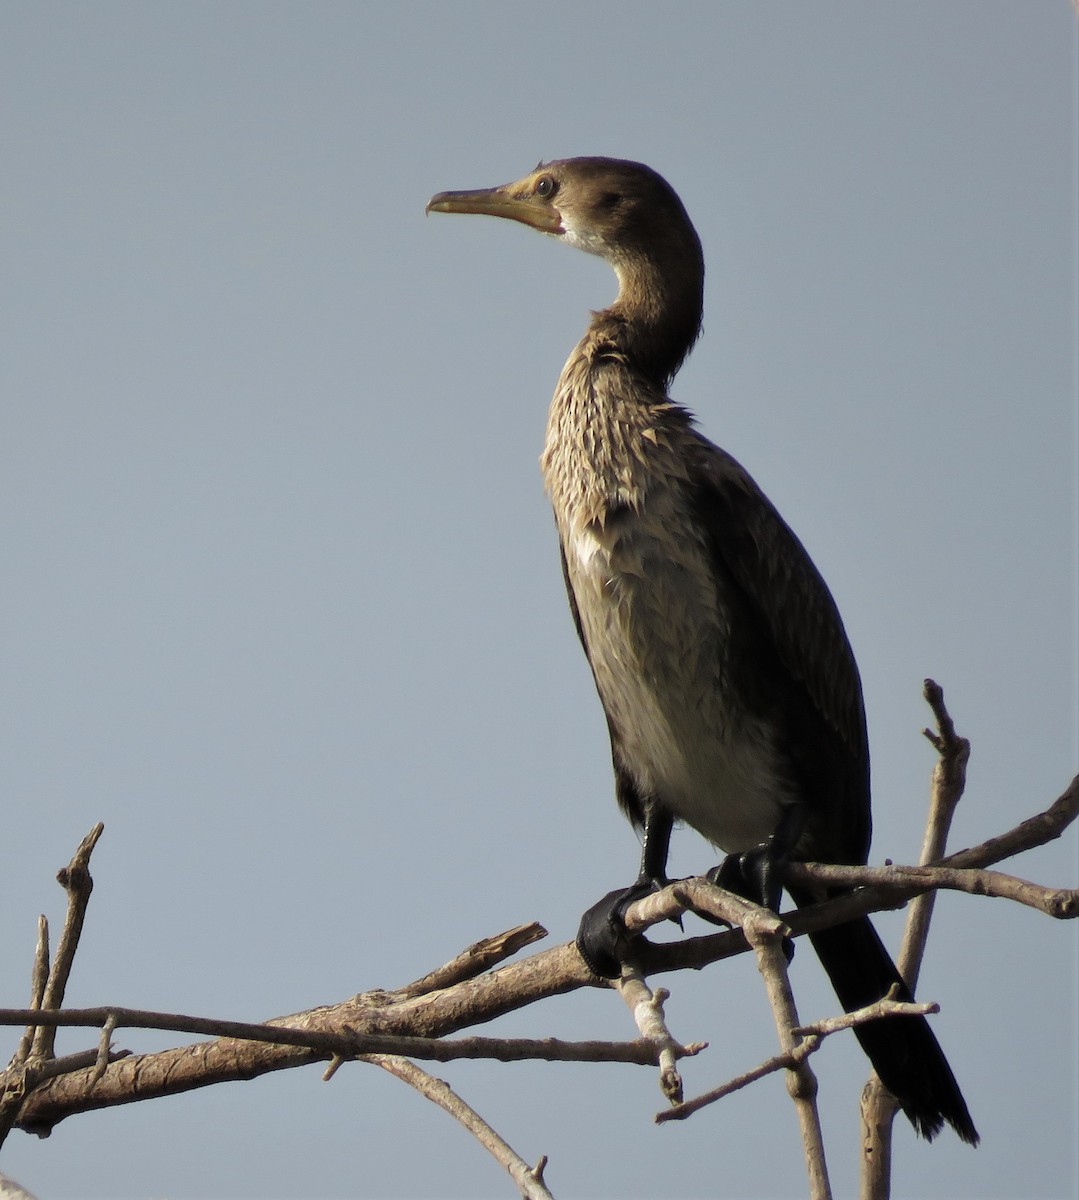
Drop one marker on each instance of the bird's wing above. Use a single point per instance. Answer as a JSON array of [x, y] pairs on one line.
[[753, 546]]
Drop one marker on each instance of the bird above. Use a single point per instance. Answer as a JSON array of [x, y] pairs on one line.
[[732, 695]]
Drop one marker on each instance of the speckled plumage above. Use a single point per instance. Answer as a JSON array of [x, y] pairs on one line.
[[655, 621]]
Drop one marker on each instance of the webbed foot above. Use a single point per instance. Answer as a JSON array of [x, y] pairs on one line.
[[756, 875], [602, 937]]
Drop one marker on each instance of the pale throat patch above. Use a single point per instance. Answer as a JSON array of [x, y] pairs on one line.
[[581, 237]]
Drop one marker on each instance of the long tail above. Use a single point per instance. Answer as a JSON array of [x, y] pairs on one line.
[[903, 1050]]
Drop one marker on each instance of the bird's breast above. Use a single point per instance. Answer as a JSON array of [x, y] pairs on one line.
[[660, 632], [661, 623]]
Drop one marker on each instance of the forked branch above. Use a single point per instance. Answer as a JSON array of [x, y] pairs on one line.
[[476, 999]]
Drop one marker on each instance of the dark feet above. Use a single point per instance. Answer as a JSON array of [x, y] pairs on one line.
[[602, 937], [756, 875]]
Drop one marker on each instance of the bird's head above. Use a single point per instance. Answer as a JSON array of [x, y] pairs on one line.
[[629, 215], [619, 210]]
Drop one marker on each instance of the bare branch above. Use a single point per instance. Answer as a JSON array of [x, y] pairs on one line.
[[29, 1066], [879, 1107], [39, 977], [104, 1049], [347, 1043], [766, 934], [473, 1000], [1061, 903], [479, 957], [76, 881], [811, 1038], [1028, 834], [887, 1006], [948, 783], [768, 943], [698, 895], [647, 1009], [528, 1179]]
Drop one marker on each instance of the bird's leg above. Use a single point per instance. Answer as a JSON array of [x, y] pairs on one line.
[[602, 937], [655, 846], [757, 874]]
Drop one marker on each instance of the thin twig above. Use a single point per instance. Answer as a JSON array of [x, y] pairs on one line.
[[76, 881], [948, 783], [347, 1042], [39, 977], [104, 1050], [475, 959], [811, 1038], [67, 1064], [528, 1179], [697, 894], [1061, 903], [1027, 835]]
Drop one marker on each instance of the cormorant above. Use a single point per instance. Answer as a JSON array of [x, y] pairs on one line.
[[732, 696]]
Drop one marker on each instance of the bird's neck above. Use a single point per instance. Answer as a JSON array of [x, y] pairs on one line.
[[657, 316]]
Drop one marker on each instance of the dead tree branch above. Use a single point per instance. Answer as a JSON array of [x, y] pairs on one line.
[[76, 881], [878, 1106], [529, 1180], [33, 1062], [473, 999], [350, 1044], [811, 1038], [388, 1029], [647, 1009], [767, 938]]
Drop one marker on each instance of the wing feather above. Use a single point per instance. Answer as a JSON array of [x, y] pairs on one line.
[[753, 546]]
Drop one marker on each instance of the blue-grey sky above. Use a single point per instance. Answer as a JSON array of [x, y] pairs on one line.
[[281, 602]]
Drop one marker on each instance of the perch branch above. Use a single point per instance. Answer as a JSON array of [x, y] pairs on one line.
[[1061, 903], [767, 940], [700, 951], [472, 1001]]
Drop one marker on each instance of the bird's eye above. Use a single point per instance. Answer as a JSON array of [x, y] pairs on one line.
[[545, 186]]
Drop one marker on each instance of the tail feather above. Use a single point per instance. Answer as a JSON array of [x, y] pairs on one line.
[[903, 1050]]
